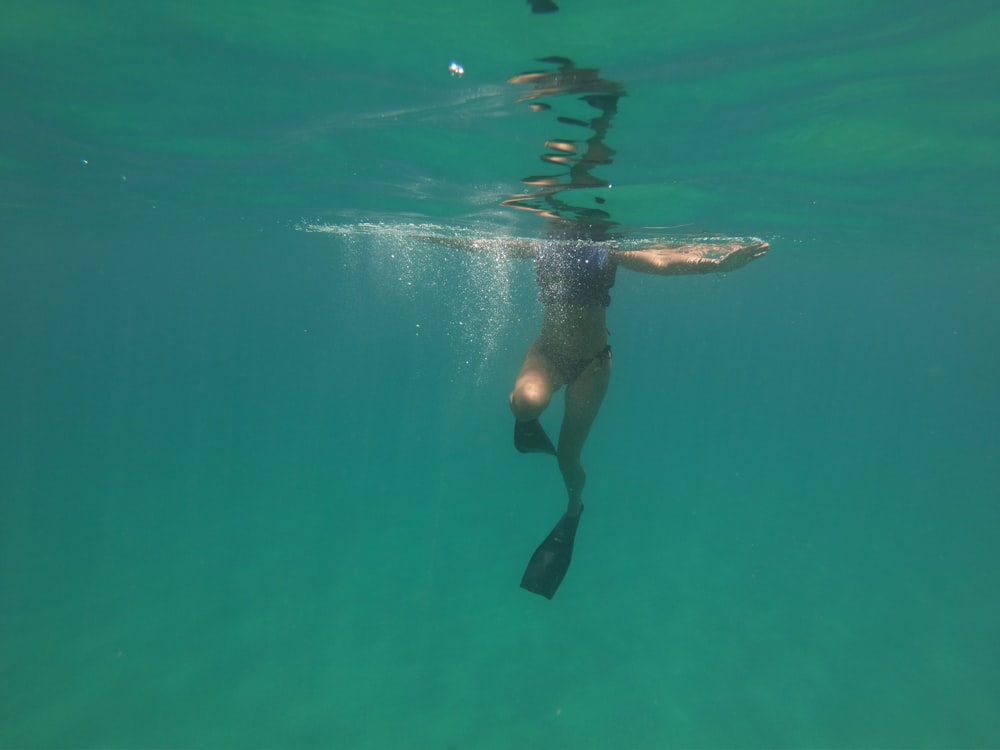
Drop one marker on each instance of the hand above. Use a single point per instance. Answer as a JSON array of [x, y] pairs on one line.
[[737, 256]]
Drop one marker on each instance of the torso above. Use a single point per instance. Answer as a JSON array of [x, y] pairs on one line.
[[573, 332], [574, 280]]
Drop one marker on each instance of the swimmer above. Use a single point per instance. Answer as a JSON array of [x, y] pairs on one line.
[[575, 276], [575, 267]]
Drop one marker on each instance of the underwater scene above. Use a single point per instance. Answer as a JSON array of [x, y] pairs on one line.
[[322, 322]]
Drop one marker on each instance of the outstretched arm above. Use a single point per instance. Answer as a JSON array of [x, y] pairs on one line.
[[677, 259], [511, 247]]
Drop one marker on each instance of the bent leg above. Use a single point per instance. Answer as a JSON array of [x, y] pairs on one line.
[[535, 384], [532, 393], [583, 400]]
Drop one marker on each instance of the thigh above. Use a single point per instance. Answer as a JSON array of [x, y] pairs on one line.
[[538, 379], [583, 400]]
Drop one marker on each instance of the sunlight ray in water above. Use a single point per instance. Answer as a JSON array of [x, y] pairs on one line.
[[477, 287]]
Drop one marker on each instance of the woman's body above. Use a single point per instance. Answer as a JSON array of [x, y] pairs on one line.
[[575, 278]]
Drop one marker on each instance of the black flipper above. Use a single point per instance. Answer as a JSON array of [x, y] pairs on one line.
[[529, 437], [543, 6], [550, 562]]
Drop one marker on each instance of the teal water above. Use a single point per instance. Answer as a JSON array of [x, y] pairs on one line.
[[256, 483]]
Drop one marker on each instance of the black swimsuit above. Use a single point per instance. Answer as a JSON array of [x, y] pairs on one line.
[[579, 274], [575, 273]]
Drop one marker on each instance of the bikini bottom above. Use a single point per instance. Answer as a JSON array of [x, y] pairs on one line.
[[570, 369]]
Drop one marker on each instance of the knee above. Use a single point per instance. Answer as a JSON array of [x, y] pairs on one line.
[[528, 400]]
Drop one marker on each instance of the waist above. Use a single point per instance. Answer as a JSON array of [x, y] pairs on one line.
[[574, 331]]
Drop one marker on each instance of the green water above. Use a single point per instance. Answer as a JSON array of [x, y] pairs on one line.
[[256, 483]]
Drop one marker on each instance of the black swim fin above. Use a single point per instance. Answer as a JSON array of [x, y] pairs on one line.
[[543, 6], [550, 562], [530, 437]]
